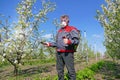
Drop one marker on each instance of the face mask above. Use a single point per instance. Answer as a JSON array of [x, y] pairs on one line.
[[63, 24]]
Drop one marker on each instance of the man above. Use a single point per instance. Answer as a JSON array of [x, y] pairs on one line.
[[67, 37]]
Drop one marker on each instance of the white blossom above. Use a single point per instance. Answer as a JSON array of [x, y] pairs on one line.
[[1, 44], [19, 64], [3, 60], [21, 36], [15, 61], [4, 55], [10, 51], [110, 40], [23, 55], [31, 49], [23, 7], [20, 51], [31, 29]]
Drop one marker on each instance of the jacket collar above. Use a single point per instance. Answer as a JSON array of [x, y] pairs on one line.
[[65, 27]]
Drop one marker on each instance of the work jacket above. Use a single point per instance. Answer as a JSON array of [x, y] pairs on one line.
[[69, 32]]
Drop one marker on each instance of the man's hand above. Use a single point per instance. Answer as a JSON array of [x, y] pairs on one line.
[[65, 40], [45, 44]]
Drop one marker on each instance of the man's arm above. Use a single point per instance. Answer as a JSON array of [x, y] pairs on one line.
[[48, 44], [73, 38]]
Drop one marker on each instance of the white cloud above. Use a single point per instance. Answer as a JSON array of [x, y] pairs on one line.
[[96, 36], [47, 36]]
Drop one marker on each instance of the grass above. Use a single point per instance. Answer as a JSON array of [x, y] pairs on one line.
[[109, 71], [31, 68], [38, 70]]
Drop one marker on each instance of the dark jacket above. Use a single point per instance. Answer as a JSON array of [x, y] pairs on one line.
[[69, 32]]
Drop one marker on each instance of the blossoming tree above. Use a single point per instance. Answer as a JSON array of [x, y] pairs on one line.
[[23, 36], [110, 20]]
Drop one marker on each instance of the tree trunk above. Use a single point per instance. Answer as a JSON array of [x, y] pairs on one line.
[[15, 70]]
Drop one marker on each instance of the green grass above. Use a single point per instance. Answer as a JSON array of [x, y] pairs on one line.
[[30, 69], [110, 70], [3, 64], [35, 62], [88, 73]]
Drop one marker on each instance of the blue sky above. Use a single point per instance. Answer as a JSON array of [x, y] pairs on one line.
[[81, 12]]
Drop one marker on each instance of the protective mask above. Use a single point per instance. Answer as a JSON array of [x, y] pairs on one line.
[[63, 24]]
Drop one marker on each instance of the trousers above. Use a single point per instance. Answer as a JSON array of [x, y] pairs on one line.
[[62, 60]]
